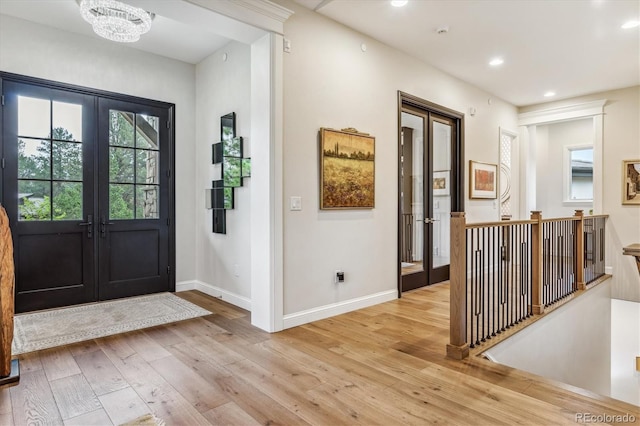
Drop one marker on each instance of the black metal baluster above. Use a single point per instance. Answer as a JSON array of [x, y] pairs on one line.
[[483, 281], [493, 279], [473, 286]]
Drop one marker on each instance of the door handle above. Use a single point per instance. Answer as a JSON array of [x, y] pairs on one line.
[[431, 220], [89, 225], [103, 226]]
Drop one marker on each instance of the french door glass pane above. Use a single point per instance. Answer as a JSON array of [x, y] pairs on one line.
[[34, 117], [441, 184], [67, 161], [121, 165], [147, 205], [121, 128], [67, 121], [67, 200], [147, 166], [121, 201], [147, 131], [412, 196], [34, 200], [34, 159]]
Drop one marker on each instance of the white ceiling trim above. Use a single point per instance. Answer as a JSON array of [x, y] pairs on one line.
[[262, 14], [569, 112]]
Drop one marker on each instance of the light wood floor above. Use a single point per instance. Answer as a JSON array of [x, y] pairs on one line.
[[383, 365]]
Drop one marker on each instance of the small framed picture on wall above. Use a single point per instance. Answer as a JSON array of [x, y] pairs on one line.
[[631, 182], [483, 180], [441, 182]]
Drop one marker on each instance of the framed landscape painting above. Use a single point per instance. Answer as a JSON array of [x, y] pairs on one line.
[[631, 182], [347, 172], [483, 180]]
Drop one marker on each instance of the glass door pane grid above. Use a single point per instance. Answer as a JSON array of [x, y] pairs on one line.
[[135, 194], [59, 202]]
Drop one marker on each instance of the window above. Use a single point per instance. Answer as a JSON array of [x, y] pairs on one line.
[[579, 172]]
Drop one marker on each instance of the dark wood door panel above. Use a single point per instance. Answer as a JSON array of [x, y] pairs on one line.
[[48, 262], [134, 255]]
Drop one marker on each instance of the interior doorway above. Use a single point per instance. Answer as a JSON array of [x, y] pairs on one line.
[[430, 177]]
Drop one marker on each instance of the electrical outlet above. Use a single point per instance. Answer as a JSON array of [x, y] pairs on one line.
[[236, 270], [339, 277]]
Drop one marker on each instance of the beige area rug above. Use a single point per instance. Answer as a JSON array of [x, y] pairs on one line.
[[146, 420], [57, 327]]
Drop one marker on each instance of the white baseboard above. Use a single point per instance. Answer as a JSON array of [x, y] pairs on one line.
[[186, 285], [322, 312], [211, 290], [608, 270]]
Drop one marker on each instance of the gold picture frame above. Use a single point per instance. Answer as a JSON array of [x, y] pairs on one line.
[[631, 182], [483, 180], [347, 169]]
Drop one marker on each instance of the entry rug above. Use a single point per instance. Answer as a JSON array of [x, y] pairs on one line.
[[57, 327]]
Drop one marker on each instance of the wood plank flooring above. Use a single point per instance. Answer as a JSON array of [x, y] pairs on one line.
[[383, 365]]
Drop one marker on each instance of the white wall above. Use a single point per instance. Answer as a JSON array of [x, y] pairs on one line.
[[223, 262], [552, 141], [625, 347], [331, 82], [571, 344], [44, 52], [621, 138]]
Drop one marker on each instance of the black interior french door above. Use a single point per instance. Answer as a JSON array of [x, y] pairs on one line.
[[430, 187], [87, 186]]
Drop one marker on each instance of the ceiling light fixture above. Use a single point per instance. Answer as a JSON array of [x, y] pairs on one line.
[[116, 21], [399, 3], [496, 61], [549, 94], [630, 24]]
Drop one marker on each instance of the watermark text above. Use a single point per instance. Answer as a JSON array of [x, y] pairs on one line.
[[605, 418]]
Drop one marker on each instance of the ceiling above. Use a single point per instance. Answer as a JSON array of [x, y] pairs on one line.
[[570, 47], [173, 33]]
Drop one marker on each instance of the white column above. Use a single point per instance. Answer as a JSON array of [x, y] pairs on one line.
[[267, 183], [528, 165]]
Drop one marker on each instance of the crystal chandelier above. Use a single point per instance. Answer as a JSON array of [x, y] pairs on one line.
[[116, 21]]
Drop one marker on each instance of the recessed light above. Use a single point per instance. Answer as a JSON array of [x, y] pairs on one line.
[[496, 61], [399, 3], [549, 94], [630, 24]]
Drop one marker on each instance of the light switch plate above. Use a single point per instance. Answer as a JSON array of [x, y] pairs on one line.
[[295, 203]]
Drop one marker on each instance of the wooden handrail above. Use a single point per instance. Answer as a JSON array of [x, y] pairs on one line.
[[589, 216], [560, 219], [501, 223]]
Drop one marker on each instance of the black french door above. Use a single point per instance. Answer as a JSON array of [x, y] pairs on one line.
[[430, 186], [87, 186]]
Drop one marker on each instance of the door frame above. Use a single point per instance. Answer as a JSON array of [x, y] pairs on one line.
[[457, 158], [98, 93]]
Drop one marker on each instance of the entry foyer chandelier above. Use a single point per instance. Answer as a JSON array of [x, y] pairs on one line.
[[115, 20]]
